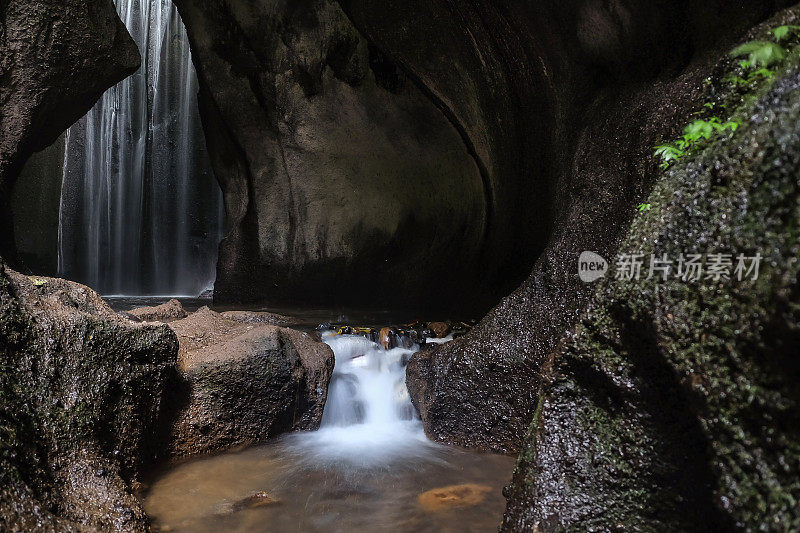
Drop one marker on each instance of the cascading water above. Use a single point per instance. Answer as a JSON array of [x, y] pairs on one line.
[[368, 417], [140, 210], [369, 468]]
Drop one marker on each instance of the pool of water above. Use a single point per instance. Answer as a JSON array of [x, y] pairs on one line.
[[369, 468], [336, 496]]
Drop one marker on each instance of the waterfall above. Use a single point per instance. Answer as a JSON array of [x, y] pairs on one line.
[[368, 419], [368, 386], [141, 212]]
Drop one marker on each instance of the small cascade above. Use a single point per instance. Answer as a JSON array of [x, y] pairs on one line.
[[368, 386], [369, 419], [141, 212]]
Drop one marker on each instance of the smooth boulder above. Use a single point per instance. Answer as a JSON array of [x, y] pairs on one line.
[[244, 382], [166, 312]]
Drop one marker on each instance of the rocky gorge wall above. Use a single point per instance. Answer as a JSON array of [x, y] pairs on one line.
[[637, 421], [343, 183], [593, 87], [56, 59], [668, 406]]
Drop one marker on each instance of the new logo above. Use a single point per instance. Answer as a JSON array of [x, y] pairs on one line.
[[591, 267]]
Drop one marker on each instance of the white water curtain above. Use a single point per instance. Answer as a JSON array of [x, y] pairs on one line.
[[140, 210]]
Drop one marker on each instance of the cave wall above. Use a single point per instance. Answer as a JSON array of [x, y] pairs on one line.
[[670, 405], [56, 59], [620, 76], [36, 201], [343, 183]]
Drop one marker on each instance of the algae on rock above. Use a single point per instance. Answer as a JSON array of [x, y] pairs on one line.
[[81, 409], [674, 404]]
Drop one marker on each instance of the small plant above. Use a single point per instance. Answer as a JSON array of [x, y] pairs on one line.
[[644, 207], [668, 153], [763, 53], [760, 55], [694, 134], [782, 32]]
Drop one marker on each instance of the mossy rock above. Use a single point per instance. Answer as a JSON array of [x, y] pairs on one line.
[[673, 405], [81, 410]]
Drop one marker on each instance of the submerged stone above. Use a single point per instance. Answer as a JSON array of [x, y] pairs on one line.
[[453, 497], [255, 500]]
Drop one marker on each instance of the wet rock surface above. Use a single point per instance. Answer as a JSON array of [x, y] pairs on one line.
[[482, 390], [81, 392], [166, 312], [244, 381], [381, 199], [671, 405], [56, 59]]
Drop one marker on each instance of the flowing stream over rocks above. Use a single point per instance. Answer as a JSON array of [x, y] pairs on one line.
[[141, 212], [368, 468]]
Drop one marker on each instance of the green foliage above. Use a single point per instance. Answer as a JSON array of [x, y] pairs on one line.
[[782, 32], [644, 207], [763, 73], [694, 134], [754, 68], [762, 53], [668, 153]]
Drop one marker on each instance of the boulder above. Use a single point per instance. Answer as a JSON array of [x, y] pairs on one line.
[[166, 312], [440, 329], [56, 59], [672, 406], [82, 404], [244, 382]]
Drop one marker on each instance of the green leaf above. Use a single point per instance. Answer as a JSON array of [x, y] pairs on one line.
[[698, 130], [760, 53], [644, 207], [669, 152], [782, 32], [764, 73]]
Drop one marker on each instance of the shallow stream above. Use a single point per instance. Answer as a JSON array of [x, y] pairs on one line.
[[368, 468]]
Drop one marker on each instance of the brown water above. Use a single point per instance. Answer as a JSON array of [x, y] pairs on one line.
[[333, 492]]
